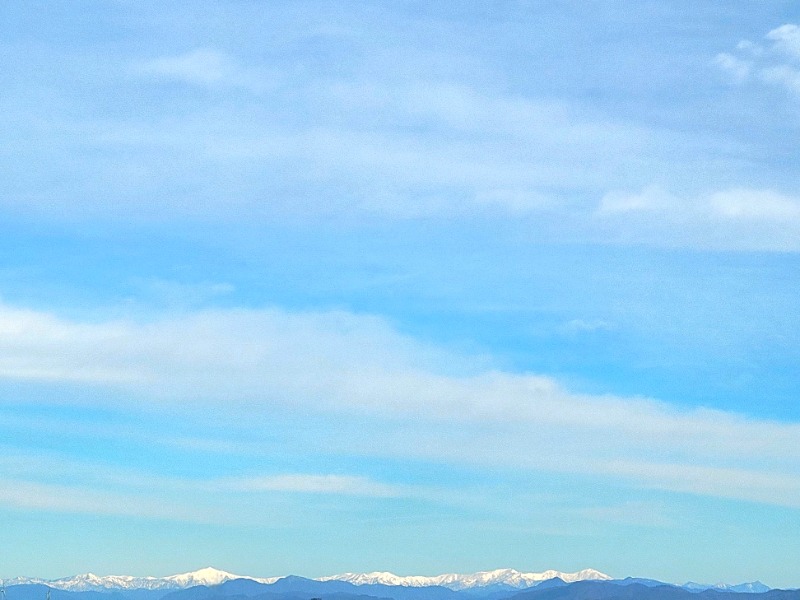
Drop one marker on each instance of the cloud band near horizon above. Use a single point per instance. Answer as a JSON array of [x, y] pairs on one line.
[[411, 400]]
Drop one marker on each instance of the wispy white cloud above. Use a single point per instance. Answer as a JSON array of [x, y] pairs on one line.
[[407, 149], [212, 502], [650, 199], [204, 67], [783, 75], [84, 430], [739, 70], [347, 485], [755, 485], [588, 325], [255, 364], [730, 219], [32, 495], [755, 205], [54, 483], [776, 63], [361, 147], [786, 39]]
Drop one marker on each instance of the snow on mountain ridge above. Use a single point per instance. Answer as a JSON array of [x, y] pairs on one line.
[[454, 581], [89, 582], [210, 577]]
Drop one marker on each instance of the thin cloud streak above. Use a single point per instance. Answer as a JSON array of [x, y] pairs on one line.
[[203, 67], [257, 364], [59, 484], [346, 485], [739, 219], [409, 149], [26, 495]]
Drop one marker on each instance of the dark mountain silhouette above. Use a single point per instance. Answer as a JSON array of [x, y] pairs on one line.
[[38, 591], [300, 588], [625, 590], [305, 589]]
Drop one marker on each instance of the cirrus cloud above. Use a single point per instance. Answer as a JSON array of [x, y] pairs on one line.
[[202, 67], [729, 219], [776, 63], [391, 395]]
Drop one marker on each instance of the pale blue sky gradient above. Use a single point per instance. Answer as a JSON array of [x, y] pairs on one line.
[[312, 287]]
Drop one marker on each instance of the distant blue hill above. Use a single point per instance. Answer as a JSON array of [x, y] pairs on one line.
[[641, 581], [300, 588], [646, 590], [37, 591]]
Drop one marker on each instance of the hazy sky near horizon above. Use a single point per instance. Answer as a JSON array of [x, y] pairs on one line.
[[312, 287]]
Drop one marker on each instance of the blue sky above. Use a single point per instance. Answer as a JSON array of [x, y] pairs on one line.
[[312, 287]]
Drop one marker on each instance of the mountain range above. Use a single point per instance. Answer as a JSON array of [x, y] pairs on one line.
[[210, 576], [95, 583], [501, 584], [453, 581]]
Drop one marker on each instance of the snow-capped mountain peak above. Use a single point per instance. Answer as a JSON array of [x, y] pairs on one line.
[[507, 577], [209, 576], [89, 582], [206, 576]]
